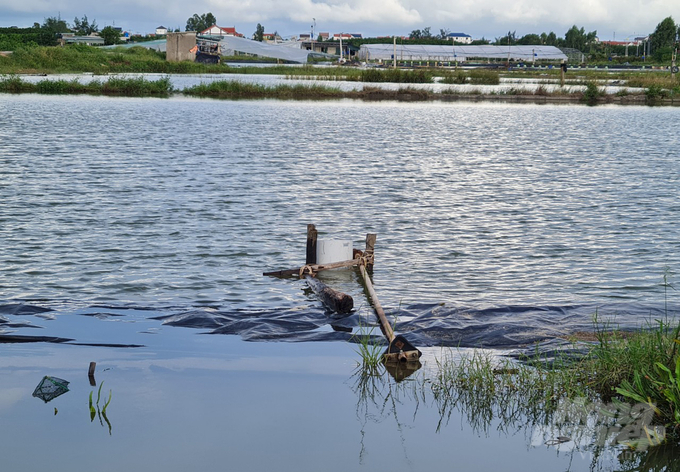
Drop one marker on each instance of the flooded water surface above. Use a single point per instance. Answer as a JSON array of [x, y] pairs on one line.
[[134, 233]]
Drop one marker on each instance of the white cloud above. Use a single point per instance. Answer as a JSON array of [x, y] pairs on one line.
[[488, 18]]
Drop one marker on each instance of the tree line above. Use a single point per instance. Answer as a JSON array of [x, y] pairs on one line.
[[49, 32]]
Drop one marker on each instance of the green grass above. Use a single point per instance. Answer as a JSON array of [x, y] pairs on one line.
[[398, 76], [237, 89], [638, 367], [129, 87], [472, 76], [369, 347]]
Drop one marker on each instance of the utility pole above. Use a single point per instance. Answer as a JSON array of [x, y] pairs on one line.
[[394, 52], [312, 38]]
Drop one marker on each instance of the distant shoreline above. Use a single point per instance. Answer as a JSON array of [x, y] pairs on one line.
[[234, 90]]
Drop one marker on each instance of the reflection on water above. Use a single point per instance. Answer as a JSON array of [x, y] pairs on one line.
[[100, 411], [584, 431], [216, 396]]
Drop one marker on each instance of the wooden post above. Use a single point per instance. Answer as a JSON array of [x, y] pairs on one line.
[[90, 373], [370, 247], [312, 234]]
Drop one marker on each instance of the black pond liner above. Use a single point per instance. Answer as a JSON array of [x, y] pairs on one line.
[[523, 328]]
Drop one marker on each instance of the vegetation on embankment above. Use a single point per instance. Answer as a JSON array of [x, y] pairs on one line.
[[659, 87], [641, 367], [229, 89], [607, 367], [116, 86], [81, 58]]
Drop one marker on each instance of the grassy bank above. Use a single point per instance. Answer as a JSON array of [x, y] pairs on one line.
[[128, 87], [639, 368], [230, 89], [80, 58]]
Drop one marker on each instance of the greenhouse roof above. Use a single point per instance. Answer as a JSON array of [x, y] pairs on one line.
[[425, 52], [288, 51]]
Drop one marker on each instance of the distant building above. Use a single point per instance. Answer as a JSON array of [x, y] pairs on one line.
[[460, 38], [618, 43], [271, 38], [161, 30], [90, 40], [324, 36], [337, 36], [304, 37], [215, 30]]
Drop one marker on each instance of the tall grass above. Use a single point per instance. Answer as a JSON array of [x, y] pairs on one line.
[[129, 87], [399, 76], [237, 89], [369, 347], [472, 76]]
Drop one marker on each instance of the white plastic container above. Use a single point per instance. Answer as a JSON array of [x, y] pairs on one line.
[[333, 250]]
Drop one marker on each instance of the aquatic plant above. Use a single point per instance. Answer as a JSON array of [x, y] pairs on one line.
[[640, 366], [369, 347], [13, 84], [399, 76], [101, 413], [237, 89]]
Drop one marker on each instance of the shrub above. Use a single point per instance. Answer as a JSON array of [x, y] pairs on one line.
[[592, 93]]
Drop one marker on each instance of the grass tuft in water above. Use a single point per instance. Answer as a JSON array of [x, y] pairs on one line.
[[368, 346]]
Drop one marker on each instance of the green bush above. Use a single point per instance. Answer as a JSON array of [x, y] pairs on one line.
[[592, 93]]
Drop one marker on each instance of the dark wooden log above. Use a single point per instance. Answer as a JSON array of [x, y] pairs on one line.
[[335, 301], [312, 234]]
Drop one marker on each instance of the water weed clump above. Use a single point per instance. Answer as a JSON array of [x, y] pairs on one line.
[[137, 87], [459, 77], [128, 87], [640, 368], [484, 77], [237, 89], [368, 346], [14, 84], [399, 76]]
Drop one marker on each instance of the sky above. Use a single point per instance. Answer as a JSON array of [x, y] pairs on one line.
[[612, 19]]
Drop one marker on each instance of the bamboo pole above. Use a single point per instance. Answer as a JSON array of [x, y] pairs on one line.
[[384, 324], [399, 349]]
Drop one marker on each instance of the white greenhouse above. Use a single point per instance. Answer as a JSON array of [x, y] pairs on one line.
[[437, 53]]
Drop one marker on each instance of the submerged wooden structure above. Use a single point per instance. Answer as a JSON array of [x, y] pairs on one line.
[[399, 350]]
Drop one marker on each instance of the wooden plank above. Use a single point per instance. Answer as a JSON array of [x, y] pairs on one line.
[[314, 268], [312, 234]]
